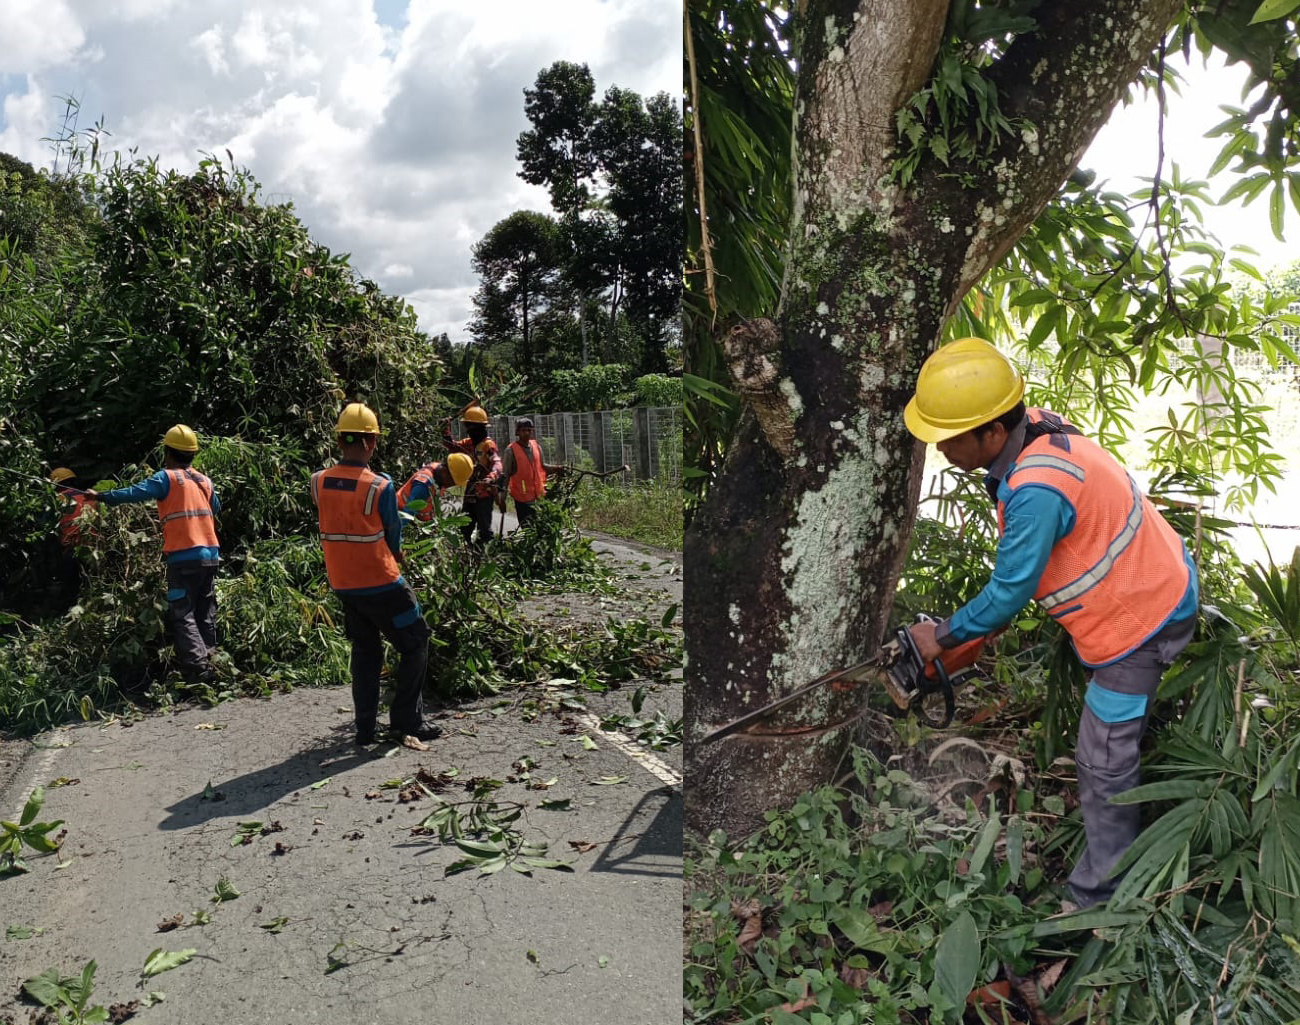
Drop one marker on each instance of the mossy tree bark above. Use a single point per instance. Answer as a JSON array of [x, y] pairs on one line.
[[794, 556]]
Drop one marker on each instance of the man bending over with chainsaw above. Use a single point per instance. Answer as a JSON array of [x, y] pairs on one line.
[[1078, 536]]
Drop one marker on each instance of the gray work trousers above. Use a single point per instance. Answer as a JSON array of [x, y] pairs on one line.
[[368, 618], [1108, 760], [192, 606]]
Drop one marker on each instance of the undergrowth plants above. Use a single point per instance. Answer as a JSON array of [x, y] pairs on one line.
[[279, 625]]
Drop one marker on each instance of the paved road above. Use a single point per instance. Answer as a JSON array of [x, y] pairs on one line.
[[374, 931]]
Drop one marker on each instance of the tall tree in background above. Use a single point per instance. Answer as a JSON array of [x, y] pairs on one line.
[[613, 175], [930, 137], [556, 153], [519, 261], [639, 148]]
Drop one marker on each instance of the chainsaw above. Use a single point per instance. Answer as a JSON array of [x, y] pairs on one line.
[[913, 685]]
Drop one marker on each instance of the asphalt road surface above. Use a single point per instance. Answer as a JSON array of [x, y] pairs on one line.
[[345, 913]]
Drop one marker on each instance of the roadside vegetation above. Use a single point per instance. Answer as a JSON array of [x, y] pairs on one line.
[[925, 884], [132, 298], [650, 513]]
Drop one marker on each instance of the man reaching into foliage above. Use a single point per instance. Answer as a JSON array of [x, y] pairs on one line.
[[1077, 535], [481, 492], [187, 503], [455, 472], [361, 536]]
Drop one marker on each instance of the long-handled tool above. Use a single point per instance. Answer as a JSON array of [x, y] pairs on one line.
[[912, 684]]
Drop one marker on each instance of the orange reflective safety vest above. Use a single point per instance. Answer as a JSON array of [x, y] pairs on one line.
[[351, 529], [69, 529], [528, 482], [186, 512], [1113, 581], [424, 475]]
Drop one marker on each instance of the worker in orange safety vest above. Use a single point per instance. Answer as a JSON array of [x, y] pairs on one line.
[[1077, 535], [187, 505], [523, 473], [68, 574], [481, 492], [361, 535], [419, 487]]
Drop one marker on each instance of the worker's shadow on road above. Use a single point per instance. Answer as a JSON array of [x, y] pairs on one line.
[[649, 842], [253, 791]]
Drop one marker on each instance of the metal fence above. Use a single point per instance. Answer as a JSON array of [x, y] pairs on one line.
[[647, 439]]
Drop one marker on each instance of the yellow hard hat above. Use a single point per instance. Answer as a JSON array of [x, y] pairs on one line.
[[962, 385], [182, 439], [61, 473], [461, 468], [357, 418], [474, 414]]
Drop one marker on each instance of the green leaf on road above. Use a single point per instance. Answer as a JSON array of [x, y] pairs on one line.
[[165, 960], [276, 925], [608, 781], [320, 783], [557, 804], [589, 744], [225, 890], [22, 932]]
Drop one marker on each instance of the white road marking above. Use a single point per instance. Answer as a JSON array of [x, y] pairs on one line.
[[657, 767]]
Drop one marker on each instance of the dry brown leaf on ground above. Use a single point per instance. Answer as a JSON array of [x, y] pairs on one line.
[[855, 977], [582, 846], [414, 743], [751, 928], [802, 1003], [882, 910], [167, 924], [1049, 976], [1027, 990]]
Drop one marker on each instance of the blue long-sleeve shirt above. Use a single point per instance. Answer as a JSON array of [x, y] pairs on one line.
[[155, 489]]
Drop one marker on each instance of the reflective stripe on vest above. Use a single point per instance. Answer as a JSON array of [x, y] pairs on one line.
[[1113, 581], [351, 529], [185, 512], [528, 482]]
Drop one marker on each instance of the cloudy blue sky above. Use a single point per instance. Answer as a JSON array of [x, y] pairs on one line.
[[390, 124]]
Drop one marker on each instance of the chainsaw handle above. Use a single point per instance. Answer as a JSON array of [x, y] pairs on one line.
[[954, 660]]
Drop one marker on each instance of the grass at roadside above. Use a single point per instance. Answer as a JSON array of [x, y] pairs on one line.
[[648, 513]]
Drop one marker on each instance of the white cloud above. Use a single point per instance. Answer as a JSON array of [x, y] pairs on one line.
[[38, 34], [395, 144]]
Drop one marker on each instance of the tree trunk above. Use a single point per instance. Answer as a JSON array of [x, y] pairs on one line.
[[796, 551]]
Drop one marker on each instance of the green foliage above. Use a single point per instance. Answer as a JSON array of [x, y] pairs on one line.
[[519, 260], [67, 997], [956, 115], [192, 301], [869, 879], [598, 386], [483, 831], [27, 832], [658, 390], [264, 490], [742, 109], [612, 171], [646, 511]]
